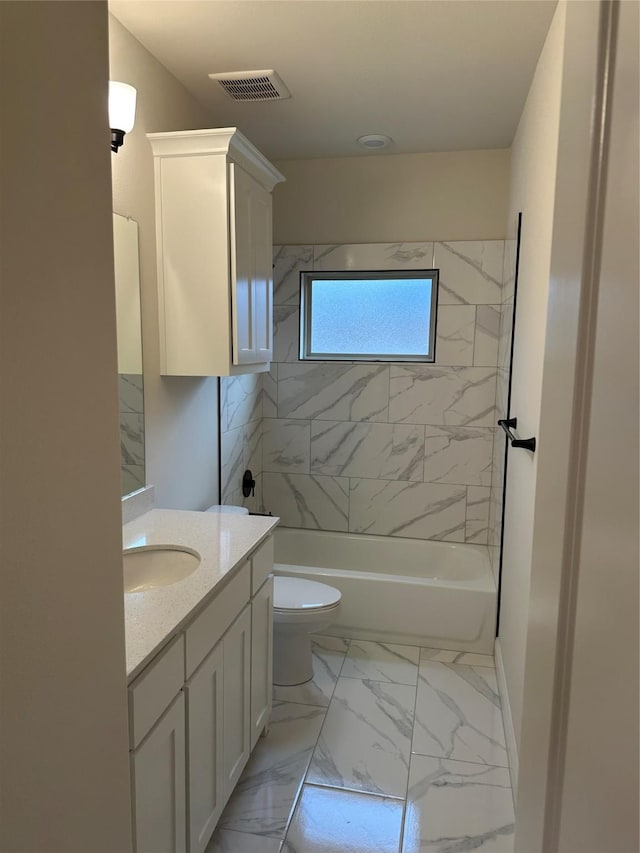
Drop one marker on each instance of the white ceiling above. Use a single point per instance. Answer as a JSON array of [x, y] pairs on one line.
[[435, 75]]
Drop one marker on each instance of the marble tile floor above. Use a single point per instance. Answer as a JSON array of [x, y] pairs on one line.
[[389, 749]]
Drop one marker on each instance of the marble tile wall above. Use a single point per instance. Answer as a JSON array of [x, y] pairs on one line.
[[131, 405], [241, 438], [392, 449]]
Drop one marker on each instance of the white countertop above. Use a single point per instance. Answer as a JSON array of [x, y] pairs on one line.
[[223, 542]]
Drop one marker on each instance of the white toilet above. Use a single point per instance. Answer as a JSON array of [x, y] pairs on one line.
[[301, 607], [228, 509]]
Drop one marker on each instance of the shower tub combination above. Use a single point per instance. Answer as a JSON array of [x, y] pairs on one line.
[[397, 590]]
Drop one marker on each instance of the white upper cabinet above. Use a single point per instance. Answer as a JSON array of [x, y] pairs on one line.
[[214, 249]]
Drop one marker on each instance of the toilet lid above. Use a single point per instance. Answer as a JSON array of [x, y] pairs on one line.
[[227, 508], [303, 594]]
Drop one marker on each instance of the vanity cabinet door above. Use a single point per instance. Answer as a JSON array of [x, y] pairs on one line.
[[261, 659], [204, 758], [158, 784], [237, 698]]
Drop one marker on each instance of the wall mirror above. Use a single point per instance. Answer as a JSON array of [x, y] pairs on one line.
[[130, 380]]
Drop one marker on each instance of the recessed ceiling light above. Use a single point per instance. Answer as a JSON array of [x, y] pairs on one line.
[[374, 140]]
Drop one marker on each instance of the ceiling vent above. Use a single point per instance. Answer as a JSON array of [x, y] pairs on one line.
[[252, 85]]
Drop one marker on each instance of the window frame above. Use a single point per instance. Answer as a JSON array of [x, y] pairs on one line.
[[304, 328]]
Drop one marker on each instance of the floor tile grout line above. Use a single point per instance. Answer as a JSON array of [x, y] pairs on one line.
[[300, 788], [298, 702], [461, 760], [377, 680], [250, 834], [344, 657], [420, 648], [456, 666], [327, 709], [313, 751], [344, 790], [296, 799], [413, 726]]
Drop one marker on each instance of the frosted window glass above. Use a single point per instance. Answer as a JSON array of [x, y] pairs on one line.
[[370, 317]]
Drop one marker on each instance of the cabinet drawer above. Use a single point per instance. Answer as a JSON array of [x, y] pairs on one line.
[[153, 690], [205, 631], [261, 565]]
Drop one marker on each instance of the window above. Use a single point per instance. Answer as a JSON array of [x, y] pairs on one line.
[[368, 316]]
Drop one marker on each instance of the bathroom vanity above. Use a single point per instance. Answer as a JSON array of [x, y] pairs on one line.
[[199, 657]]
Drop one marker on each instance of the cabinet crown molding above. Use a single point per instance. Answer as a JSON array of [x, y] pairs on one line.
[[222, 140]]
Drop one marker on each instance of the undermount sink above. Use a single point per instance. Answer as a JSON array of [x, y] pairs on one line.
[[150, 566]]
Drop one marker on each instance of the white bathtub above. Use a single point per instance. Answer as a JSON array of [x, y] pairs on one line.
[[398, 590]]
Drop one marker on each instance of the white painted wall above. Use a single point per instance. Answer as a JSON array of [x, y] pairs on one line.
[[569, 635], [64, 771], [578, 784], [458, 195], [600, 796], [181, 414], [533, 175]]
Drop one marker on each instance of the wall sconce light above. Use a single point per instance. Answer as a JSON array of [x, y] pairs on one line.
[[122, 111]]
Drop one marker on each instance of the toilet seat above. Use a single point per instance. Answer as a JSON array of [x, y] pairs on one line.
[[295, 595]]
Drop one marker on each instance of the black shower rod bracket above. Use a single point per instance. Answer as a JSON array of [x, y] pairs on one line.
[[509, 424]]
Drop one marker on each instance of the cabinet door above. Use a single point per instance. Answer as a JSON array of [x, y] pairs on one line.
[[237, 698], [204, 756], [242, 307], [261, 658], [251, 269], [158, 784], [262, 272]]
